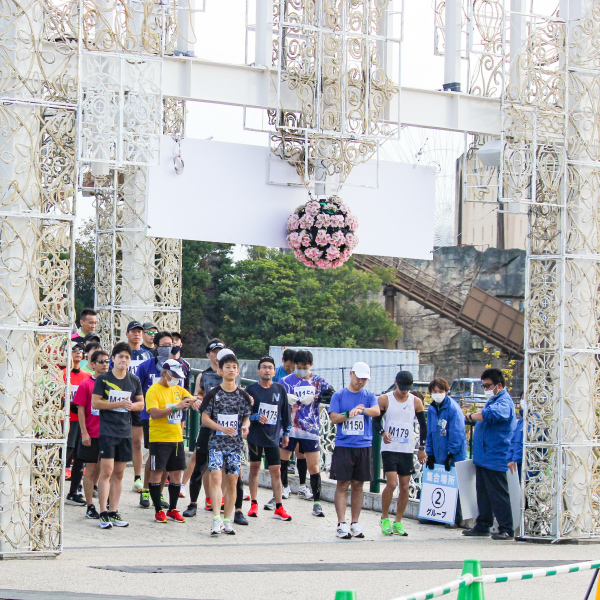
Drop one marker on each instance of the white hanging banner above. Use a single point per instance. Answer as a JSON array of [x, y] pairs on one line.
[[223, 195]]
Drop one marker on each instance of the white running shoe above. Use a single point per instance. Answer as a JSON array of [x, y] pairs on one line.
[[182, 490], [356, 531], [343, 531], [137, 486], [271, 504], [217, 526], [286, 492], [227, 528], [304, 492]]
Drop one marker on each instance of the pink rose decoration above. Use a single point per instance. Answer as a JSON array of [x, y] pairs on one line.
[[323, 220], [293, 223], [332, 220], [323, 238]]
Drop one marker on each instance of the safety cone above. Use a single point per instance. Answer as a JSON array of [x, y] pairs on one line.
[[475, 590], [345, 595]]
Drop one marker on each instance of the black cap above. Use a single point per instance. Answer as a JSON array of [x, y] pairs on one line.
[[89, 337], [266, 359], [77, 345], [404, 380], [134, 325], [148, 326]]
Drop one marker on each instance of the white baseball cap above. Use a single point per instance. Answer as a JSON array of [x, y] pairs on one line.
[[223, 353], [361, 370], [174, 368]]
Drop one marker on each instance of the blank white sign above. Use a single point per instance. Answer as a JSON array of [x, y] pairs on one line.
[[223, 195]]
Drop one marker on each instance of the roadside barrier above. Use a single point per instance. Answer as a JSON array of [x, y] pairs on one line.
[[470, 584]]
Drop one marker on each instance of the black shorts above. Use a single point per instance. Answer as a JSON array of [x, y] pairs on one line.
[[351, 464], [74, 434], [136, 419], [402, 463], [203, 439], [146, 427], [167, 456], [272, 455], [115, 447], [88, 454], [304, 446]]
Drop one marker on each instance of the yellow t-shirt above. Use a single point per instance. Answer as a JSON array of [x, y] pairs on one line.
[[167, 429]]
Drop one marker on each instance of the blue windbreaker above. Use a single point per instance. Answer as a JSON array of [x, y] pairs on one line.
[[449, 418], [515, 453], [492, 436]]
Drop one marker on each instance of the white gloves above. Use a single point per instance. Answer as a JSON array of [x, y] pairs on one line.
[[292, 399], [308, 399]]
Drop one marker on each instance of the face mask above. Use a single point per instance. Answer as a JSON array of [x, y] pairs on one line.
[[162, 354], [439, 398], [489, 393], [175, 350], [172, 382], [302, 372]]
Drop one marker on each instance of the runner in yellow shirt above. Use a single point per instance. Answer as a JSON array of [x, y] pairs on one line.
[[165, 402]]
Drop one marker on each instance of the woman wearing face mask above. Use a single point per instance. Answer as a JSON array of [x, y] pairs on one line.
[[446, 437]]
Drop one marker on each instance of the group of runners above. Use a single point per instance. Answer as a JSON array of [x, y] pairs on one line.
[[136, 396]]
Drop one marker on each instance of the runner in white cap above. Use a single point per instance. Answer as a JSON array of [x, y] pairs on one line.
[[351, 409]]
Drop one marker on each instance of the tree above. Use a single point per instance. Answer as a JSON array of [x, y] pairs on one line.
[[85, 266], [275, 300]]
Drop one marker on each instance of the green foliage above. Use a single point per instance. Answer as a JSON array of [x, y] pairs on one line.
[[275, 300], [85, 266]]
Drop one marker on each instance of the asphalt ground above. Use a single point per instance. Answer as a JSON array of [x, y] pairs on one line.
[[271, 559]]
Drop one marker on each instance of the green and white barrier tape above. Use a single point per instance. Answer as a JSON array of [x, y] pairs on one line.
[[466, 580]]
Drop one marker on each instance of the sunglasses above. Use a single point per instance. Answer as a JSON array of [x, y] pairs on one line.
[[488, 386], [103, 362], [151, 332]]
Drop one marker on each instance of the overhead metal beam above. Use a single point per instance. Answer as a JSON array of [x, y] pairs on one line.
[[242, 85]]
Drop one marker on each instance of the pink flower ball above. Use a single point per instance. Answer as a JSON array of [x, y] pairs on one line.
[[323, 238], [337, 221], [305, 239], [351, 222], [307, 221], [323, 220]]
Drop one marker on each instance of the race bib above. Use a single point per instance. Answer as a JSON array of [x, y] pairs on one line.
[[227, 421], [302, 391], [116, 396], [174, 418], [74, 389], [269, 411], [134, 364], [399, 433], [354, 426], [96, 412]]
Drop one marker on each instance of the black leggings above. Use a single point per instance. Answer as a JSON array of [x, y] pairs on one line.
[[197, 473]]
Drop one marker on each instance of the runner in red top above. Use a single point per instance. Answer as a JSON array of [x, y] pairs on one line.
[[89, 423], [76, 376]]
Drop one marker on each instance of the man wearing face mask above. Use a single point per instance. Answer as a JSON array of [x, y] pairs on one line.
[[495, 424], [446, 436], [149, 372], [166, 401]]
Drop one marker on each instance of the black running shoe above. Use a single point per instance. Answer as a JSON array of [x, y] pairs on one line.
[[91, 512]]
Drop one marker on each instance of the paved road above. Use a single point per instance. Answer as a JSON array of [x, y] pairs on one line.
[[272, 559]]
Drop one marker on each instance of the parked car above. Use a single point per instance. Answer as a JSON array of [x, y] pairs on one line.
[[467, 391]]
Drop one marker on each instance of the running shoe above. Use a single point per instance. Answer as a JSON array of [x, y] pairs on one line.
[[163, 502], [286, 492], [281, 514], [398, 529], [291, 468], [160, 517], [145, 499], [190, 511], [317, 511], [227, 528], [75, 500], [137, 486], [175, 515], [356, 531], [343, 532], [116, 520], [207, 504], [182, 491], [239, 518], [91, 512], [217, 526], [386, 527], [270, 505], [67, 474], [304, 492], [105, 522], [95, 491], [253, 510]]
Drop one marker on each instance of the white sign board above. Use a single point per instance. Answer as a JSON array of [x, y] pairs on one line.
[[465, 473], [439, 492], [223, 195]]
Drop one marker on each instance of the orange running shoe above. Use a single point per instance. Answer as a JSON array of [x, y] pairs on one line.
[[160, 517], [175, 515], [281, 514], [207, 504], [253, 510]]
